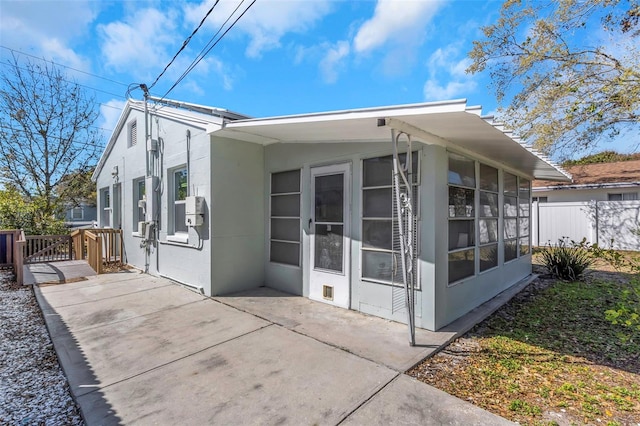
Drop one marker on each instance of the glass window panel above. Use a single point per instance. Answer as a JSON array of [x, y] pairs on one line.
[[488, 204], [488, 230], [377, 234], [179, 218], [524, 226], [461, 234], [288, 253], [615, 197], [461, 265], [524, 207], [462, 170], [285, 205], [180, 184], [488, 178], [284, 182], [378, 171], [488, 257], [377, 265], [630, 196], [510, 184], [510, 206], [510, 250], [461, 202], [524, 246], [329, 192], [328, 247], [377, 202], [510, 228], [525, 185], [285, 229], [414, 165]]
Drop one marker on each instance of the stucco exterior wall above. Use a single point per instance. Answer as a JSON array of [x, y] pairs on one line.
[[237, 215]]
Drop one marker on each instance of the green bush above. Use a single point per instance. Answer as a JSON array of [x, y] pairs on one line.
[[568, 260]]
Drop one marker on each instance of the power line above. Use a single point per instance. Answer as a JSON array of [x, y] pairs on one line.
[[65, 66], [208, 48], [184, 44], [92, 145]]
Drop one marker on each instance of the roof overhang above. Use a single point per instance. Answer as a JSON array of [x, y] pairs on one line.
[[611, 185], [450, 124]]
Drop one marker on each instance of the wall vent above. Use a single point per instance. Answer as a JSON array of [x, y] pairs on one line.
[[327, 292]]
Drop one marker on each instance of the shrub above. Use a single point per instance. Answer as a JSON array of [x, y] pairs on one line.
[[568, 260]]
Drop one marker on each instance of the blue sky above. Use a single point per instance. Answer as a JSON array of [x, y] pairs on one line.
[[282, 57]]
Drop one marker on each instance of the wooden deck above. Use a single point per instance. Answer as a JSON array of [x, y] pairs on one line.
[[56, 272]]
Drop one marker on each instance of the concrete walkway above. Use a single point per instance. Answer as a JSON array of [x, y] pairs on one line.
[[142, 350], [57, 272]]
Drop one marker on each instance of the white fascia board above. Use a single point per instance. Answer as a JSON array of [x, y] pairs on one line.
[[377, 112]]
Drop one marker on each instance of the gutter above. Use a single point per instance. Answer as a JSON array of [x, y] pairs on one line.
[[587, 186]]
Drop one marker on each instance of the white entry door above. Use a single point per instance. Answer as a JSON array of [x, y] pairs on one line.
[[330, 236]]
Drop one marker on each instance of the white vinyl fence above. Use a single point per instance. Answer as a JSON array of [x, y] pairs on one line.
[[610, 224]]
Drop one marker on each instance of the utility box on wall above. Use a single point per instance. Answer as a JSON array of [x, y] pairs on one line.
[[194, 211]]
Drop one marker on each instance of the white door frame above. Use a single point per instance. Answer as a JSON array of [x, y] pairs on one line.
[[326, 276]]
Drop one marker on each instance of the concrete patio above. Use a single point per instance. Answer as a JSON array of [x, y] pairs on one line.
[[143, 350]]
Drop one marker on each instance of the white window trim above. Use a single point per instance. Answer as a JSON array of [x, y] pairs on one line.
[[81, 213], [417, 185], [175, 236]]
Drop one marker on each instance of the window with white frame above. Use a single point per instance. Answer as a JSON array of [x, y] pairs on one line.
[[105, 203], [138, 195], [462, 216], [380, 262], [179, 195], [77, 213], [133, 133], [623, 196], [540, 199], [488, 218], [516, 210], [284, 239]]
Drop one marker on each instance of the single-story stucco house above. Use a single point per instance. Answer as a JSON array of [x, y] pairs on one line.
[[310, 204]]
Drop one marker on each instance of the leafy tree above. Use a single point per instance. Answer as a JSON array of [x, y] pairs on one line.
[[18, 213], [46, 132], [77, 188], [570, 69], [601, 157]]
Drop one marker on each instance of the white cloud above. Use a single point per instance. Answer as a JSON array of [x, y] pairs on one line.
[[47, 30], [266, 22], [447, 76], [141, 42], [110, 113], [398, 21], [332, 60]]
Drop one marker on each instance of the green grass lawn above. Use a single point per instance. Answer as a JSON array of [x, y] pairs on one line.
[[548, 357]]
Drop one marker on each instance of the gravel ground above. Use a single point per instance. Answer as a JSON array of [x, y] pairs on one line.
[[33, 388]]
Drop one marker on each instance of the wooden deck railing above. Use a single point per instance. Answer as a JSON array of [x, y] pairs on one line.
[[111, 245], [94, 250], [13, 244], [47, 248]]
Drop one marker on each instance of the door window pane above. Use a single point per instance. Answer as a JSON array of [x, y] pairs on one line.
[[461, 202], [462, 170], [328, 247], [329, 201], [377, 234], [461, 234], [524, 226], [377, 265], [461, 265], [524, 246], [510, 250], [377, 202]]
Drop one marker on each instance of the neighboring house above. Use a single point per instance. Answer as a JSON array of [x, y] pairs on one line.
[[306, 204], [81, 216], [599, 204]]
